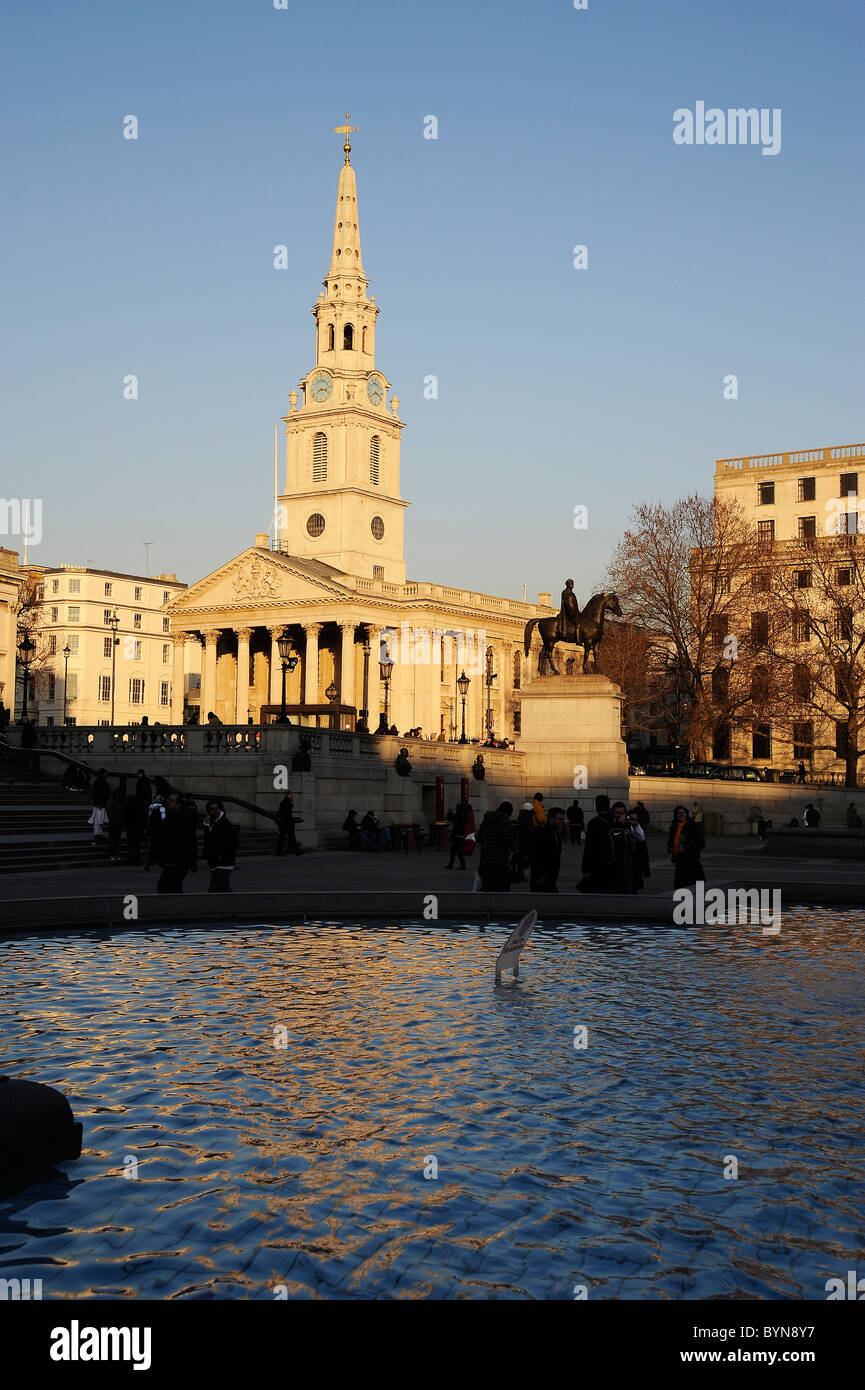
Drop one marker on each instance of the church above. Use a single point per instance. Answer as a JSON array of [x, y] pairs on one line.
[[332, 576]]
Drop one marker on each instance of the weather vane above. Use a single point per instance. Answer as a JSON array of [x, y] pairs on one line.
[[346, 131]]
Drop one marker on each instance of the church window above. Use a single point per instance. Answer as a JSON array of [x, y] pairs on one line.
[[378, 571], [377, 527], [348, 337], [330, 337], [319, 458], [315, 524], [363, 339], [374, 450]]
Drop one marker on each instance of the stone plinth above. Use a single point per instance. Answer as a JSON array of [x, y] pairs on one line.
[[568, 722]]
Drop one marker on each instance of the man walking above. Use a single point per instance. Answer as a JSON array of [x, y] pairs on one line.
[[286, 821], [173, 847], [598, 851], [496, 839], [545, 852], [220, 847]]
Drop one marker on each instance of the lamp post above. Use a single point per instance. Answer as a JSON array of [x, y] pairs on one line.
[[490, 676], [332, 695], [67, 652], [113, 623], [362, 725], [26, 647], [385, 670], [284, 645], [463, 683]]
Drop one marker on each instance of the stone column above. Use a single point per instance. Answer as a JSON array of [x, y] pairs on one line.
[[310, 664], [347, 694], [373, 692], [178, 675], [241, 705], [208, 675], [274, 691]]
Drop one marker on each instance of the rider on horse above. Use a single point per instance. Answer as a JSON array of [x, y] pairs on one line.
[[569, 614]]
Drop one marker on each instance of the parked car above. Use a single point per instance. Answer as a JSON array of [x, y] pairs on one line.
[[722, 772]]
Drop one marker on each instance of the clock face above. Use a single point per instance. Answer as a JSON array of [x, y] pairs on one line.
[[321, 386], [375, 390]]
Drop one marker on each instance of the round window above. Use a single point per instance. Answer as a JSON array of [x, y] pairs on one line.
[[377, 527], [315, 524]]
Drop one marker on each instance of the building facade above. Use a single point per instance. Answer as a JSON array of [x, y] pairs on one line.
[[11, 579], [334, 574]]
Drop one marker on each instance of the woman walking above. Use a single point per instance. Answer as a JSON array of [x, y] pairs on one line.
[[463, 825], [685, 844]]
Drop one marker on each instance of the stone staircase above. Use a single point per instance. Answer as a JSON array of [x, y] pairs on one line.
[[43, 827]]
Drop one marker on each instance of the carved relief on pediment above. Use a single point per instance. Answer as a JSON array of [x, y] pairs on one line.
[[254, 579]]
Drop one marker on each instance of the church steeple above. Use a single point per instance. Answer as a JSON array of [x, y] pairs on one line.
[[345, 258]]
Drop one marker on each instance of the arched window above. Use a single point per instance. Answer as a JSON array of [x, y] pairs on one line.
[[363, 339], [373, 459], [330, 337], [517, 670], [319, 458], [348, 336]]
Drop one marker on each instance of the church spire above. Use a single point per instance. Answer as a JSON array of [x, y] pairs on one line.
[[345, 258]]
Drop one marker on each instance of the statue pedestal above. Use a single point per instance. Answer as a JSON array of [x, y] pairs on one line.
[[569, 722]]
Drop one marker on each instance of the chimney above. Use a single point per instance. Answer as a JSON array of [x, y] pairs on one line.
[[261, 541]]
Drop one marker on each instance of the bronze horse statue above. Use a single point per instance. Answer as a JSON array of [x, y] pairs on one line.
[[587, 632]]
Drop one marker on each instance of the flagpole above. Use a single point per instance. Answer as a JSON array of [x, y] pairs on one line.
[[276, 484]]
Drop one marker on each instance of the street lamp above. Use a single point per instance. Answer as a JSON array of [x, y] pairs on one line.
[[386, 670], [67, 652], [491, 675], [362, 724], [113, 623], [463, 684], [284, 645], [26, 647]]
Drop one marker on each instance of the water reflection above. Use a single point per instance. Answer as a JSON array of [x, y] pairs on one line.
[[303, 1165]]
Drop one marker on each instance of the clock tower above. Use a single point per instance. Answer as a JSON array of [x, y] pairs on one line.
[[342, 501]]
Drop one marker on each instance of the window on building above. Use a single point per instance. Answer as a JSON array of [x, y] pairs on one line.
[[55, 586], [801, 625], [842, 738], [73, 640], [518, 719], [166, 652], [49, 722], [138, 592], [136, 621], [136, 649], [52, 644], [319, 457], [72, 686], [840, 685], [760, 629], [517, 670], [75, 586], [164, 693], [720, 628], [761, 741], [807, 528], [766, 494], [73, 614], [363, 339], [106, 616], [807, 489], [40, 593], [803, 579], [759, 685], [348, 337], [844, 576], [801, 683], [378, 571], [166, 595], [52, 686], [765, 532], [849, 483], [762, 581], [330, 337], [803, 739], [107, 643], [55, 615], [848, 523], [720, 685], [721, 741], [166, 624], [136, 691], [844, 623], [107, 589], [373, 459], [105, 690]]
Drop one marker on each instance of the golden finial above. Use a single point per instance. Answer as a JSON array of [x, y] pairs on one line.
[[346, 131]]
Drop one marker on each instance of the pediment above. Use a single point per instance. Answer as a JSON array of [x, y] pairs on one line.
[[261, 577]]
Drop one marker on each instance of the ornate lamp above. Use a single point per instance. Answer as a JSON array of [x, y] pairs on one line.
[[26, 648], [284, 644], [386, 670], [463, 686]]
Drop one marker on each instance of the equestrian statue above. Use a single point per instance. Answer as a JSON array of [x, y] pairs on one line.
[[585, 629]]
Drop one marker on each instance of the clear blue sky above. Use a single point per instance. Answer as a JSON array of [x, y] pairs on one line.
[[557, 387]]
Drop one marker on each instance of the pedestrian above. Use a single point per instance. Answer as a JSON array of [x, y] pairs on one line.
[[496, 839], [539, 815], [98, 818], [576, 821], [463, 824], [352, 829], [800, 773], [545, 852], [100, 791], [4, 717], [116, 813], [685, 844], [642, 814], [143, 791], [639, 849], [811, 816], [286, 821], [597, 851], [213, 720], [173, 847], [622, 867], [220, 847], [854, 820]]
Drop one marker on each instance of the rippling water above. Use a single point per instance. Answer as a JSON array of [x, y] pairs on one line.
[[303, 1166]]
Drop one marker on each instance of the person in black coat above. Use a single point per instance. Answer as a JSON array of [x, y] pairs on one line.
[[598, 851], [685, 844], [220, 847], [576, 821], [496, 840], [545, 852], [523, 845], [286, 820], [173, 847], [100, 791], [639, 849]]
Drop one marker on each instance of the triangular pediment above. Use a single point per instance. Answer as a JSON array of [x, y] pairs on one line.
[[263, 577]]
